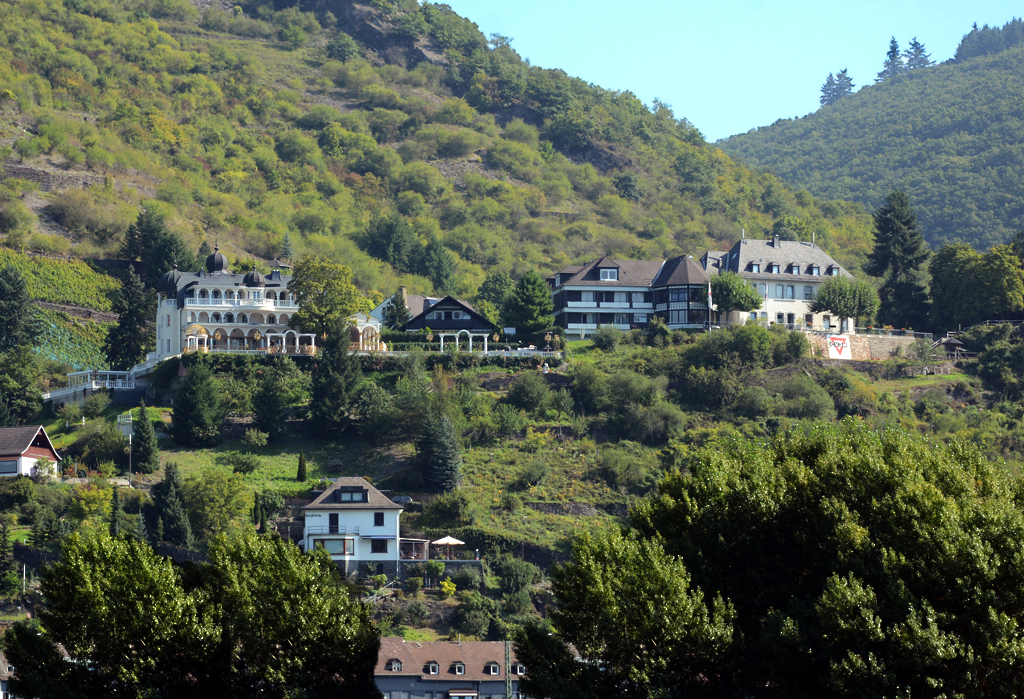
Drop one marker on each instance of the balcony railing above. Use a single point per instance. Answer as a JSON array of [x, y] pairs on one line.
[[227, 303], [332, 529]]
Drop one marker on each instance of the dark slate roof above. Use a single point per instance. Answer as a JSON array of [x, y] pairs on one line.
[[448, 303], [376, 500], [784, 253], [16, 440], [568, 269], [713, 259], [631, 273], [415, 655], [680, 270], [226, 280]]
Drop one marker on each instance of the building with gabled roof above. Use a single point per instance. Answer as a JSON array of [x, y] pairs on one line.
[[22, 447], [453, 319], [444, 669]]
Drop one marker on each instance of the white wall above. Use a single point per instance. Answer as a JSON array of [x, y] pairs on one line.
[[356, 518]]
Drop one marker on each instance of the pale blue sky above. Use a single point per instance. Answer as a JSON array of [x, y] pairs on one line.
[[727, 65]]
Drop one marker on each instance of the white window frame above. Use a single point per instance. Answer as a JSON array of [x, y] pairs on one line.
[[640, 318], [816, 271], [755, 268], [586, 297], [494, 669], [609, 275], [433, 669], [808, 293], [773, 269], [460, 669], [621, 318]]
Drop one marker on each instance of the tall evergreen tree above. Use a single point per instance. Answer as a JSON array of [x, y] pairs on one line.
[[198, 412], [6, 547], [392, 239], [145, 451], [204, 251], [440, 455], [172, 520], [335, 376], [269, 404], [916, 57], [18, 326], [899, 252], [7, 417], [115, 513], [263, 520], [159, 249], [300, 476], [528, 308], [287, 251], [126, 342], [844, 84], [893, 65], [139, 530], [439, 267], [396, 313], [828, 91]]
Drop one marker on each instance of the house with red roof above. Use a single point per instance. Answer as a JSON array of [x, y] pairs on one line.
[[22, 447]]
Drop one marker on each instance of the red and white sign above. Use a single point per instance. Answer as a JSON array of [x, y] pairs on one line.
[[838, 347]]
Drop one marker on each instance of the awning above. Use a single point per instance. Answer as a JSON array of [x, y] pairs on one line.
[[462, 693], [447, 541], [379, 536]]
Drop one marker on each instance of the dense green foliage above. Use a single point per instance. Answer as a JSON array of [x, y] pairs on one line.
[[947, 135], [127, 342], [18, 326], [145, 452], [334, 379], [72, 341], [70, 282], [198, 408]]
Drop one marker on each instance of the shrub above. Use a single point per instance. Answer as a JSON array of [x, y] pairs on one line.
[[516, 574], [507, 420], [244, 463], [534, 473], [416, 611], [447, 587], [510, 502], [528, 392], [473, 615], [94, 406], [517, 602], [379, 581], [451, 509], [414, 585], [434, 570], [255, 438], [607, 338], [466, 578]]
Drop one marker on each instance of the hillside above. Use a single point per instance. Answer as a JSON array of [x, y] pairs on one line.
[[273, 130], [949, 135]]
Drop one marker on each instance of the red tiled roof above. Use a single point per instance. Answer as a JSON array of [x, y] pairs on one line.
[[476, 656]]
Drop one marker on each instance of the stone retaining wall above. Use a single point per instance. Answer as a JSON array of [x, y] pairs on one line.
[[863, 347]]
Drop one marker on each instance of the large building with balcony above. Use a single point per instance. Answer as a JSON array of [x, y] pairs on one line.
[[787, 274], [215, 310], [627, 293]]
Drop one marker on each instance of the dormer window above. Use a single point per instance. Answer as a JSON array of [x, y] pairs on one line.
[[609, 275], [755, 268], [352, 495], [520, 670], [773, 269], [816, 270], [394, 665], [460, 669], [834, 271], [493, 669], [433, 668], [794, 269]]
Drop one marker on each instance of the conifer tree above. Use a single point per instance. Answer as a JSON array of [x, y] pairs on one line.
[[144, 444], [899, 252], [916, 57], [439, 266], [198, 412], [893, 65], [396, 313], [115, 513], [7, 417], [204, 252], [335, 377], [528, 307], [18, 326], [263, 520], [301, 475], [269, 404], [828, 91], [440, 455], [172, 522], [844, 84], [158, 534], [126, 342], [6, 547], [287, 251], [139, 531]]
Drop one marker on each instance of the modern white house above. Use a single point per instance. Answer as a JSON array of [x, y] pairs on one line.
[[787, 274], [357, 525], [21, 448], [215, 310]]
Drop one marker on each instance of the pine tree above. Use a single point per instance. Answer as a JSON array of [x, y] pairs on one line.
[[844, 85], [440, 455], [269, 404], [893, 65], [335, 376], [204, 252], [263, 520], [132, 243], [158, 535], [528, 308], [115, 513], [301, 475], [916, 57], [899, 253], [159, 248], [125, 345], [145, 451], [172, 520], [396, 313], [18, 326], [198, 412], [287, 252], [828, 91], [7, 416], [439, 266], [6, 547], [139, 531]]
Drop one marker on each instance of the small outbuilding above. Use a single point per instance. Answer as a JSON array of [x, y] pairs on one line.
[[22, 447]]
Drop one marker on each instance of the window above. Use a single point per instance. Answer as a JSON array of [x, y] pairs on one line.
[[215, 317], [271, 320], [755, 268], [679, 296], [621, 297], [809, 320], [640, 318], [677, 317], [794, 269], [609, 275], [378, 519], [779, 292], [790, 292], [493, 669], [229, 317], [394, 665], [433, 668], [638, 298], [242, 318], [460, 669], [621, 319], [378, 545], [520, 670], [826, 322], [9, 466], [168, 321], [834, 271], [763, 290], [808, 293], [587, 297], [816, 270], [774, 269]]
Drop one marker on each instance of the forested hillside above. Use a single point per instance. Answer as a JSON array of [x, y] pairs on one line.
[[948, 135], [391, 136]]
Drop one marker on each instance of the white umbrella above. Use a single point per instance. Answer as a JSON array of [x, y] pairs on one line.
[[448, 541]]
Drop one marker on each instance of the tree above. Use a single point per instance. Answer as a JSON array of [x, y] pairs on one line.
[[392, 240], [916, 57], [628, 613], [198, 410], [219, 626], [269, 404], [300, 476], [116, 514], [496, 288], [172, 522], [898, 254], [528, 308], [145, 452], [336, 374], [846, 298], [126, 342], [439, 267], [440, 455], [342, 47], [1000, 283], [953, 303], [7, 418], [730, 292], [19, 383], [159, 248], [325, 294], [396, 313], [287, 251], [18, 326], [828, 91], [893, 65], [844, 85]]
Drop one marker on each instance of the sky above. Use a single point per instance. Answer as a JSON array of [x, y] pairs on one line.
[[727, 65]]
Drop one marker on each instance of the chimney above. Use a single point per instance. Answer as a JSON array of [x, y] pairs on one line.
[[813, 234], [405, 296], [775, 242], [743, 234]]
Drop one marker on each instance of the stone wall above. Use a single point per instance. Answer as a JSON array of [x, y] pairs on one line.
[[863, 347]]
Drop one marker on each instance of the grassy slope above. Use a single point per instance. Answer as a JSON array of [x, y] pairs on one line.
[[948, 135]]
